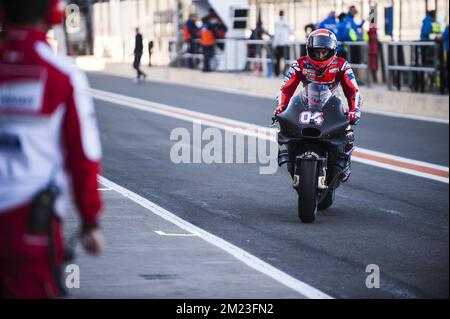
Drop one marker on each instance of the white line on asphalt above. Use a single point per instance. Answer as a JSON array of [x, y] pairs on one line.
[[391, 162], [272, 97], [186, 115], [202, 87], [407, 116], [247, 258], [399, 169], [403, 159], [161, 233]]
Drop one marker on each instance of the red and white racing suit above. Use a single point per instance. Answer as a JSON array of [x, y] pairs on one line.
[[339, 72], [48, 134]]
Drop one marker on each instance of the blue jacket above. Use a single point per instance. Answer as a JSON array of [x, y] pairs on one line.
[[329, 24], [445, 37], [192, 27], [350, 19], [343, 31], [427, 28]]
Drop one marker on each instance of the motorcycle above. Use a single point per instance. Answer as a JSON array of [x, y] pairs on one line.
[[313, 133]]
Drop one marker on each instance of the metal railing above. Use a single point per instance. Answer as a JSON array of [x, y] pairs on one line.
[[417, 64], [261, 56], [420, 65]]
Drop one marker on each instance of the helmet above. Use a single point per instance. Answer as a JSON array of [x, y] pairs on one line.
[[56, 12], [318, 40]]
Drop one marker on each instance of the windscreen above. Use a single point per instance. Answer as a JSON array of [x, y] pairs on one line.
[[315, 96]]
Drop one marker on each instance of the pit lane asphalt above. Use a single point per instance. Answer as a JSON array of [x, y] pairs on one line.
[[394, 220]]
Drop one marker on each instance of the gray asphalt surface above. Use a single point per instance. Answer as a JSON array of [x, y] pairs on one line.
[[148, 265], [397, 221], [424, 141]]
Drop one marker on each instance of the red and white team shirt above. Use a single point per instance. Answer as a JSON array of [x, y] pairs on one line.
[[48, 130]]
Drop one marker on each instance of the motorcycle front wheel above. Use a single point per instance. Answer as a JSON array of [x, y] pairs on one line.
[[307, 191]]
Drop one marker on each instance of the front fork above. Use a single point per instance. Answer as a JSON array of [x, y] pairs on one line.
[[322, 169]]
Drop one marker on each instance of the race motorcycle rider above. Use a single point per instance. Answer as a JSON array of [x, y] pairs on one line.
[[322, 66]]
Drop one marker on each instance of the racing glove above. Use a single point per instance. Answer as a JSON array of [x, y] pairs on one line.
[[280, 109], [354, 117]]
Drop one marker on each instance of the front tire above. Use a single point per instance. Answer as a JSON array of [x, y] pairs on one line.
[[307, 191]]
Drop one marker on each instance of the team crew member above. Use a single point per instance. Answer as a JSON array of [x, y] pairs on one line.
[[138, 51], [49, 144], [322, 66], [190, 34], [207, 41]]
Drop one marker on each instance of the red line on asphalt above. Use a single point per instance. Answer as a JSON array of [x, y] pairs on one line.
[[398, 163]]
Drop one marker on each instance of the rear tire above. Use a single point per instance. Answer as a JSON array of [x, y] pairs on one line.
[[307, 191], [327, 201]]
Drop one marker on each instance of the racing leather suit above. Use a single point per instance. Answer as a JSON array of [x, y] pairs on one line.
[[339, 72], [48, 135]]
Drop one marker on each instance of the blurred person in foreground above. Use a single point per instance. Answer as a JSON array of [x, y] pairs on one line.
[[49, 144]]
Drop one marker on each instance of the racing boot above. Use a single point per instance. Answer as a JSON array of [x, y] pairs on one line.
[[345, 158], [283, 156], [345, 174]]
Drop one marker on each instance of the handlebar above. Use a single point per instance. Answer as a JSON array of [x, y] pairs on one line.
[[274, 120]]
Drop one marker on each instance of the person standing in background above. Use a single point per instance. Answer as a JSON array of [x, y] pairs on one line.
[[190, 35], [446, 47], [355, 29], [430, 28], [255, 50], [329, 23], [355, 34], [280, 42], [343, 35], [138, 50], [207, 41], [150, 51], [310, 27], [445, 37], [219, 27]]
